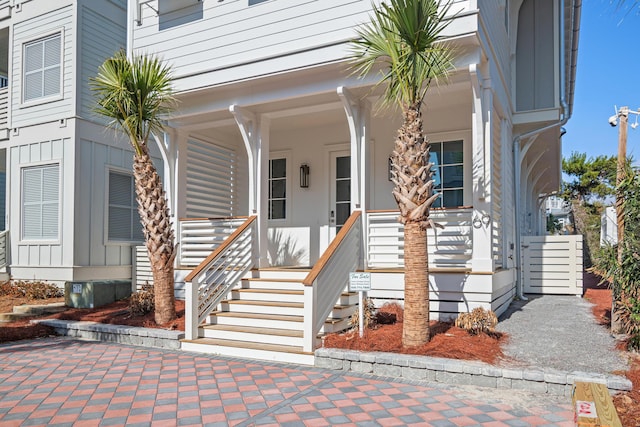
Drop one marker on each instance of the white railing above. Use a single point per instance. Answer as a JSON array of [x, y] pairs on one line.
[[450, 247], [211, 281], [330, 276], [199, 237], [4, 107], [4, 248]]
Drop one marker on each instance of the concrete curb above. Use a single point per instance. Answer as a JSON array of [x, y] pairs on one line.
[[145, 337], [459, 372]]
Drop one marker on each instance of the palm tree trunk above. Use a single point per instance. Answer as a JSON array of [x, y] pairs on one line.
[[156, 223], [415, 328], [413, 191]]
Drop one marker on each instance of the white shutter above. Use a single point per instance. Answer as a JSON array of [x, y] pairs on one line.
[[124, 221], [42, 68], [41, 202]]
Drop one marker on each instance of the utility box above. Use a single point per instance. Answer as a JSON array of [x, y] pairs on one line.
[[94, 294]]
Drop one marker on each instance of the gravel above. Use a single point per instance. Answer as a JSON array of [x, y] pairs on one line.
[[558, 332]]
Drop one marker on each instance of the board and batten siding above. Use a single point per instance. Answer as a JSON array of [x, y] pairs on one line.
[[209, 36], [94, 160], [35, 112], [39, 253], [211, 180], [103, 32]]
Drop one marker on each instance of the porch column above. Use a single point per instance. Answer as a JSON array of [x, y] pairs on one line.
[[358, 113], [254, 129], [482, 257]]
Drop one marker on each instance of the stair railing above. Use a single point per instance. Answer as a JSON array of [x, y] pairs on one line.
[[209, 283], [329, 277], [4, 248]]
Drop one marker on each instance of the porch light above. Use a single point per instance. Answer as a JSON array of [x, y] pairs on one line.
[[390, 169], [304, 176]]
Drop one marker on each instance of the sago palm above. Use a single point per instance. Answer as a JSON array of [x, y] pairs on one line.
[[135, 94], [403, 41]]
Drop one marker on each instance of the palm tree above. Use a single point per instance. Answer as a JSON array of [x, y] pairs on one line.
[[404, 38], [135, 94]]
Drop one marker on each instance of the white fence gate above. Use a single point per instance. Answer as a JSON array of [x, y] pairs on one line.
[[552, 264]]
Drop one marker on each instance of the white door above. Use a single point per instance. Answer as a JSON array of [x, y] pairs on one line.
[[340, 192]]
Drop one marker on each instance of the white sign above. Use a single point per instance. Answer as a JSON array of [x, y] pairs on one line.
[[586, 409], [76, 288], [359, 282]]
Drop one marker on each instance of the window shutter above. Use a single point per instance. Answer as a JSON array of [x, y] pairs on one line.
[[41, 202], [124, 221], [51, 81], [42, 68]]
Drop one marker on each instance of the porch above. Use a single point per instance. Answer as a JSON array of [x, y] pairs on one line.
[[280, 313]]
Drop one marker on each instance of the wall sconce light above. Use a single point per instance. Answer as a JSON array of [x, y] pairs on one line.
[[304, 176], [390, 169]]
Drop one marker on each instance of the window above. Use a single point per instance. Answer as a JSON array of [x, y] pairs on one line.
[[42, 70], [447, 159], [40, 202], [277, 188], [124, 220]]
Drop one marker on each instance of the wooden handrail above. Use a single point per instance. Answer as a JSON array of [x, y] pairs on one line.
[[450, 208], [331, 250], [221, 218], [227, 242]]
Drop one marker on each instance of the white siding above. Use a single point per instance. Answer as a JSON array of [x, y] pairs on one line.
[[103, 32], [60, 20], [94, 159], [209, 36], [38, 253]]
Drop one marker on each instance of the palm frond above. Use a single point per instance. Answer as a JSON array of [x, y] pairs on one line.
[[405, 38], [135, 94]]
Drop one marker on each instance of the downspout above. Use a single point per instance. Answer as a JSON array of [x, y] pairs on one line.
[[564, 117]]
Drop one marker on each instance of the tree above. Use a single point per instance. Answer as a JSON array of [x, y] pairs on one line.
[[405, 38], [135, 94], [593, 177]]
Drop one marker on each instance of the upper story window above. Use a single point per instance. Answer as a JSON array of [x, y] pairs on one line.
[[124, 220], [42, 68], [278, 188], [40, 202], [448, 164]]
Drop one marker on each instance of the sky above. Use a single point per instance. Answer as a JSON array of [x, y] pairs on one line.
[[608, 75]]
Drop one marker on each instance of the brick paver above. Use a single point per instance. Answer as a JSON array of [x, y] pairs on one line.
[[65, 382]]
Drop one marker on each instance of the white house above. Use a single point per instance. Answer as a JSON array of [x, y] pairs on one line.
[[276, 163], [276, 139], [68, 207]]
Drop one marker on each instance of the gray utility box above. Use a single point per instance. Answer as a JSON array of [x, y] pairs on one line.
[[94, 294]]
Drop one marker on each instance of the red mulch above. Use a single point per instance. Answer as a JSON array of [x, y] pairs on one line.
[[116, 313], [446, 341], [628, 403]]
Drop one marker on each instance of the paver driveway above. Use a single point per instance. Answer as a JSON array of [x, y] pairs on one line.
[[61, 381]]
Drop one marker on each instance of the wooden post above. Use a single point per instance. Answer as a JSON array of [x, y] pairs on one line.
[[623, 114]]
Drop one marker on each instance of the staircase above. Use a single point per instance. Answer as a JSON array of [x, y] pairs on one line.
[[263, 319]]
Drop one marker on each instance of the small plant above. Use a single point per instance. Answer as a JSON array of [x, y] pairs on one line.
[[142, 301], [478, 321]]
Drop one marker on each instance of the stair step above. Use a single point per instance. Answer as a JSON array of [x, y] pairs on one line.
[[277, 353], [273, 283], [258, 316], [255, 330], [298, 274]]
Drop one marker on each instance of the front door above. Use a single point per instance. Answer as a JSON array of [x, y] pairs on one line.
[[340, 203]]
